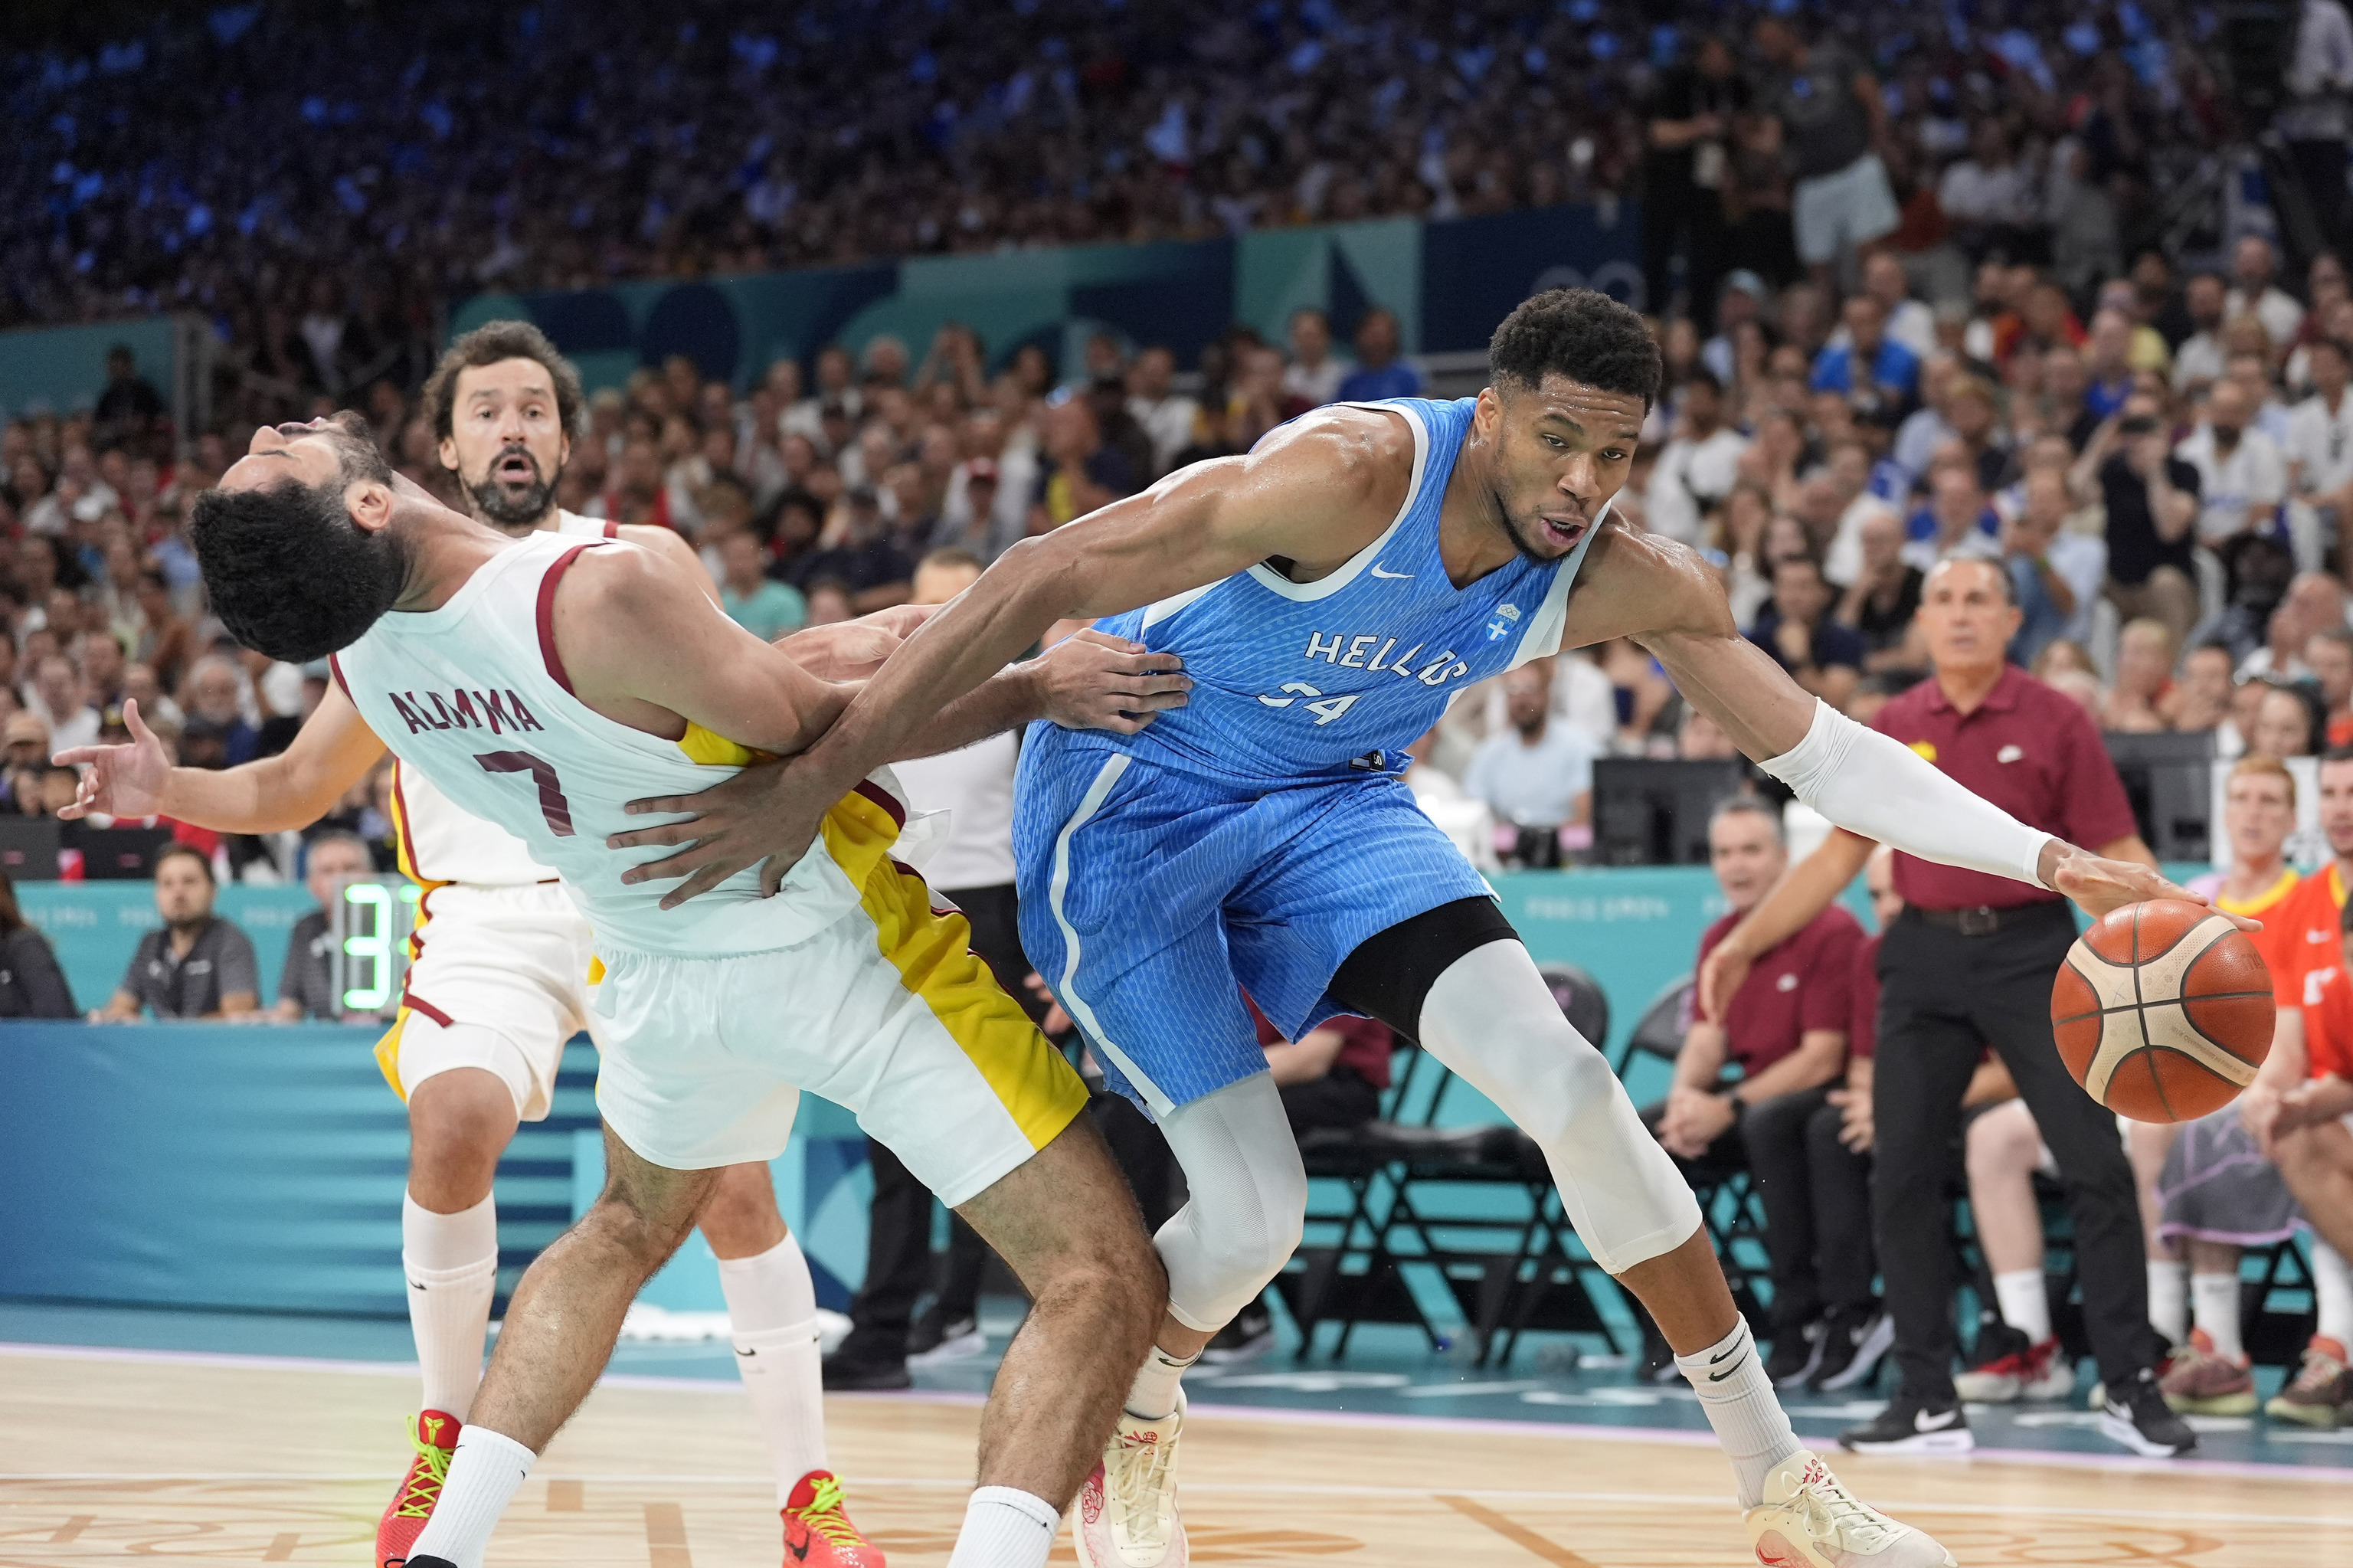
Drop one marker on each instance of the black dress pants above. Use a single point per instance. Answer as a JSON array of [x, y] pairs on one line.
[[1944, 997], [898, 1224], [1679, 210]]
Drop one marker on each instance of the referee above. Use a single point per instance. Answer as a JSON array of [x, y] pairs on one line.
[[1967, 966]]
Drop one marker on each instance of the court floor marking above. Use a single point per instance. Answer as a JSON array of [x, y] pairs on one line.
[[574, 1493], [1512, 1529]]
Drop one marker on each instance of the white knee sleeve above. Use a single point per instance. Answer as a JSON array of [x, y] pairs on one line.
[[1491, 1018], [1249, 1201]]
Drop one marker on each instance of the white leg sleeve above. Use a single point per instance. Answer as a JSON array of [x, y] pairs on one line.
[[1491, 1018], [1249, 1204]]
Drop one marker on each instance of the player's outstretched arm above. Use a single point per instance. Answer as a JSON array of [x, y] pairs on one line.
[[332, 751], [1660, 593], [1297, 496]]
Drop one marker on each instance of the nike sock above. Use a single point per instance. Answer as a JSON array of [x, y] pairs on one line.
[[484, 1473], [452, 1265], [1153, 1395], [1005, 1528], [772, 1309], [1729, 1379], [2169, 1298], [2214, 1307], [2025, 1302], [2332, 1287]]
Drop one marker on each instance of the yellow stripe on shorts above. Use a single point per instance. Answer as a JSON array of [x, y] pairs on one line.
[[932, 953], [387, 1054]]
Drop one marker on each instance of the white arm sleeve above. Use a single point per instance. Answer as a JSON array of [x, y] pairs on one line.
[[1883, 790]]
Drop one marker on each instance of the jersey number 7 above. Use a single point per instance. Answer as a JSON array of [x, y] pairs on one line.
[[552, 803]]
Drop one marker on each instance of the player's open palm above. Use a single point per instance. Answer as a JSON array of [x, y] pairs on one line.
[[2100, 884], [121, 781], [766, 813]]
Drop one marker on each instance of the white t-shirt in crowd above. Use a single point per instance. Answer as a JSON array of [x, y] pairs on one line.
[[2322, 442], [1319, 386], [2276, 308], [1690, 476], [2252, 475], [1535, 786], [1844, 562], [974, 787]]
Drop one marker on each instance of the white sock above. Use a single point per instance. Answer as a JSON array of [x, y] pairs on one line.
[[2025, 1302], [484, 1473], [1729, 1379], [2214, 1307], [771, 1309], [452, 1264], [1006, 1528], [1153, 1395], [2332, 1287], [2169, 1298]]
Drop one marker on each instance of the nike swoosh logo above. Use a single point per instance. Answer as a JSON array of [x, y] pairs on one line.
[[1728, 1354], [1924, 1422], [742, 1351], [1719, 1377], [1378, 573]]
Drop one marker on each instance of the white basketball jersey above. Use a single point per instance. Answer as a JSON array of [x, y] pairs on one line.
[[439, 843], [473, 696]]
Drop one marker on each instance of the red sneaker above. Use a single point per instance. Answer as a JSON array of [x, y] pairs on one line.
[[434, 1435], [818, 1531]]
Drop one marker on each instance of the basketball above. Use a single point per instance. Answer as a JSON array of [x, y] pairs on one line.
[[2163, 1010]]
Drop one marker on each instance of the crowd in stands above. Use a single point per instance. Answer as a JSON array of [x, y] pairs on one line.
[[360, 168]]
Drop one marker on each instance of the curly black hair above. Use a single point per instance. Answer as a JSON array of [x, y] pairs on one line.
[[1578, 334], [289, 572]]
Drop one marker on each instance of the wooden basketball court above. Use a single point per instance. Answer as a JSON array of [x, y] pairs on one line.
[[175, 1459]]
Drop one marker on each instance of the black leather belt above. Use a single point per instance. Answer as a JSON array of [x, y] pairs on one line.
[[1983, 921]]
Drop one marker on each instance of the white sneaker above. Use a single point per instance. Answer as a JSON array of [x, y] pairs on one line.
[[1126, 1516], [1808, 1521]]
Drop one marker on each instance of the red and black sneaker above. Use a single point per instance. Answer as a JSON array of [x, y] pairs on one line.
[[435, 1435], [818, 1531]]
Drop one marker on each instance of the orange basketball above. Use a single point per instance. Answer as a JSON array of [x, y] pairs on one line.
[[2163, 1010]]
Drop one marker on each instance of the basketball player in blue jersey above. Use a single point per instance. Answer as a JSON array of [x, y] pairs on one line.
[[1329, 593]]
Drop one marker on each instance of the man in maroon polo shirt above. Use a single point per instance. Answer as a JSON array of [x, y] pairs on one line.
[[1786, 1032], [1969, 965]]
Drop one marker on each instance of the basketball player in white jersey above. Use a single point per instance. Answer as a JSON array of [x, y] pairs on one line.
[[498, 981], [542, 682]]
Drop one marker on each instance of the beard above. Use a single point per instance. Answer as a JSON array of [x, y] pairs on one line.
[[1530, 542], [504, 507]]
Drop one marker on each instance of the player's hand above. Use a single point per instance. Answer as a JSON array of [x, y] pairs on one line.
[[2100, 885], [767, 813], [1096, 680], [1721, 973], [854, 650], [121, 781]]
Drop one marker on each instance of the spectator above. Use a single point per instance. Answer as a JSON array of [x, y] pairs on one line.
[[2328, 654], [2055, 574], [2202, 694], [1827, 116], [1988, 196], [2288, 721], [864, 563], [2152, 501], [194, 965], [1787, 1034], [829, 601], [31, 983], [1691, 114], [1081, 472], [2137, 703], [2198, 358], [1957, 522], [306, 984], [1539, 772], [214, 698], [1872, 370], [57, 696], [26, 741], [2320, 447], [1165, 414], [753, 600], [1909, 322], [1698, 468], [1886, 595], [129, 405], [2109, 366], [1380, 372], [2254, 294], [1797, 630], [1313, 376], [2314, 122]]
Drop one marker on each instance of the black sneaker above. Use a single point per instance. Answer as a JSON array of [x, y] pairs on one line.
[[1910, 1424], [1249, 1336], [934, 1339], [2137, 1417], [1854, 1339], [1796, 1352], [1657, 1363], [843, 1375]]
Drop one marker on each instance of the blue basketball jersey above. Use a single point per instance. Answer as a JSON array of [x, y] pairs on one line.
[[1294, 679]]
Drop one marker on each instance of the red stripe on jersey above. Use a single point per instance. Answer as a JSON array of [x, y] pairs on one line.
[[547, 617], [880, 796], [612, 529], [335, 668], [415, 1003]]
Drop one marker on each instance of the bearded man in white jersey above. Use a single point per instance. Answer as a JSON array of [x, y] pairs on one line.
[[497, 982], [610, 664]]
